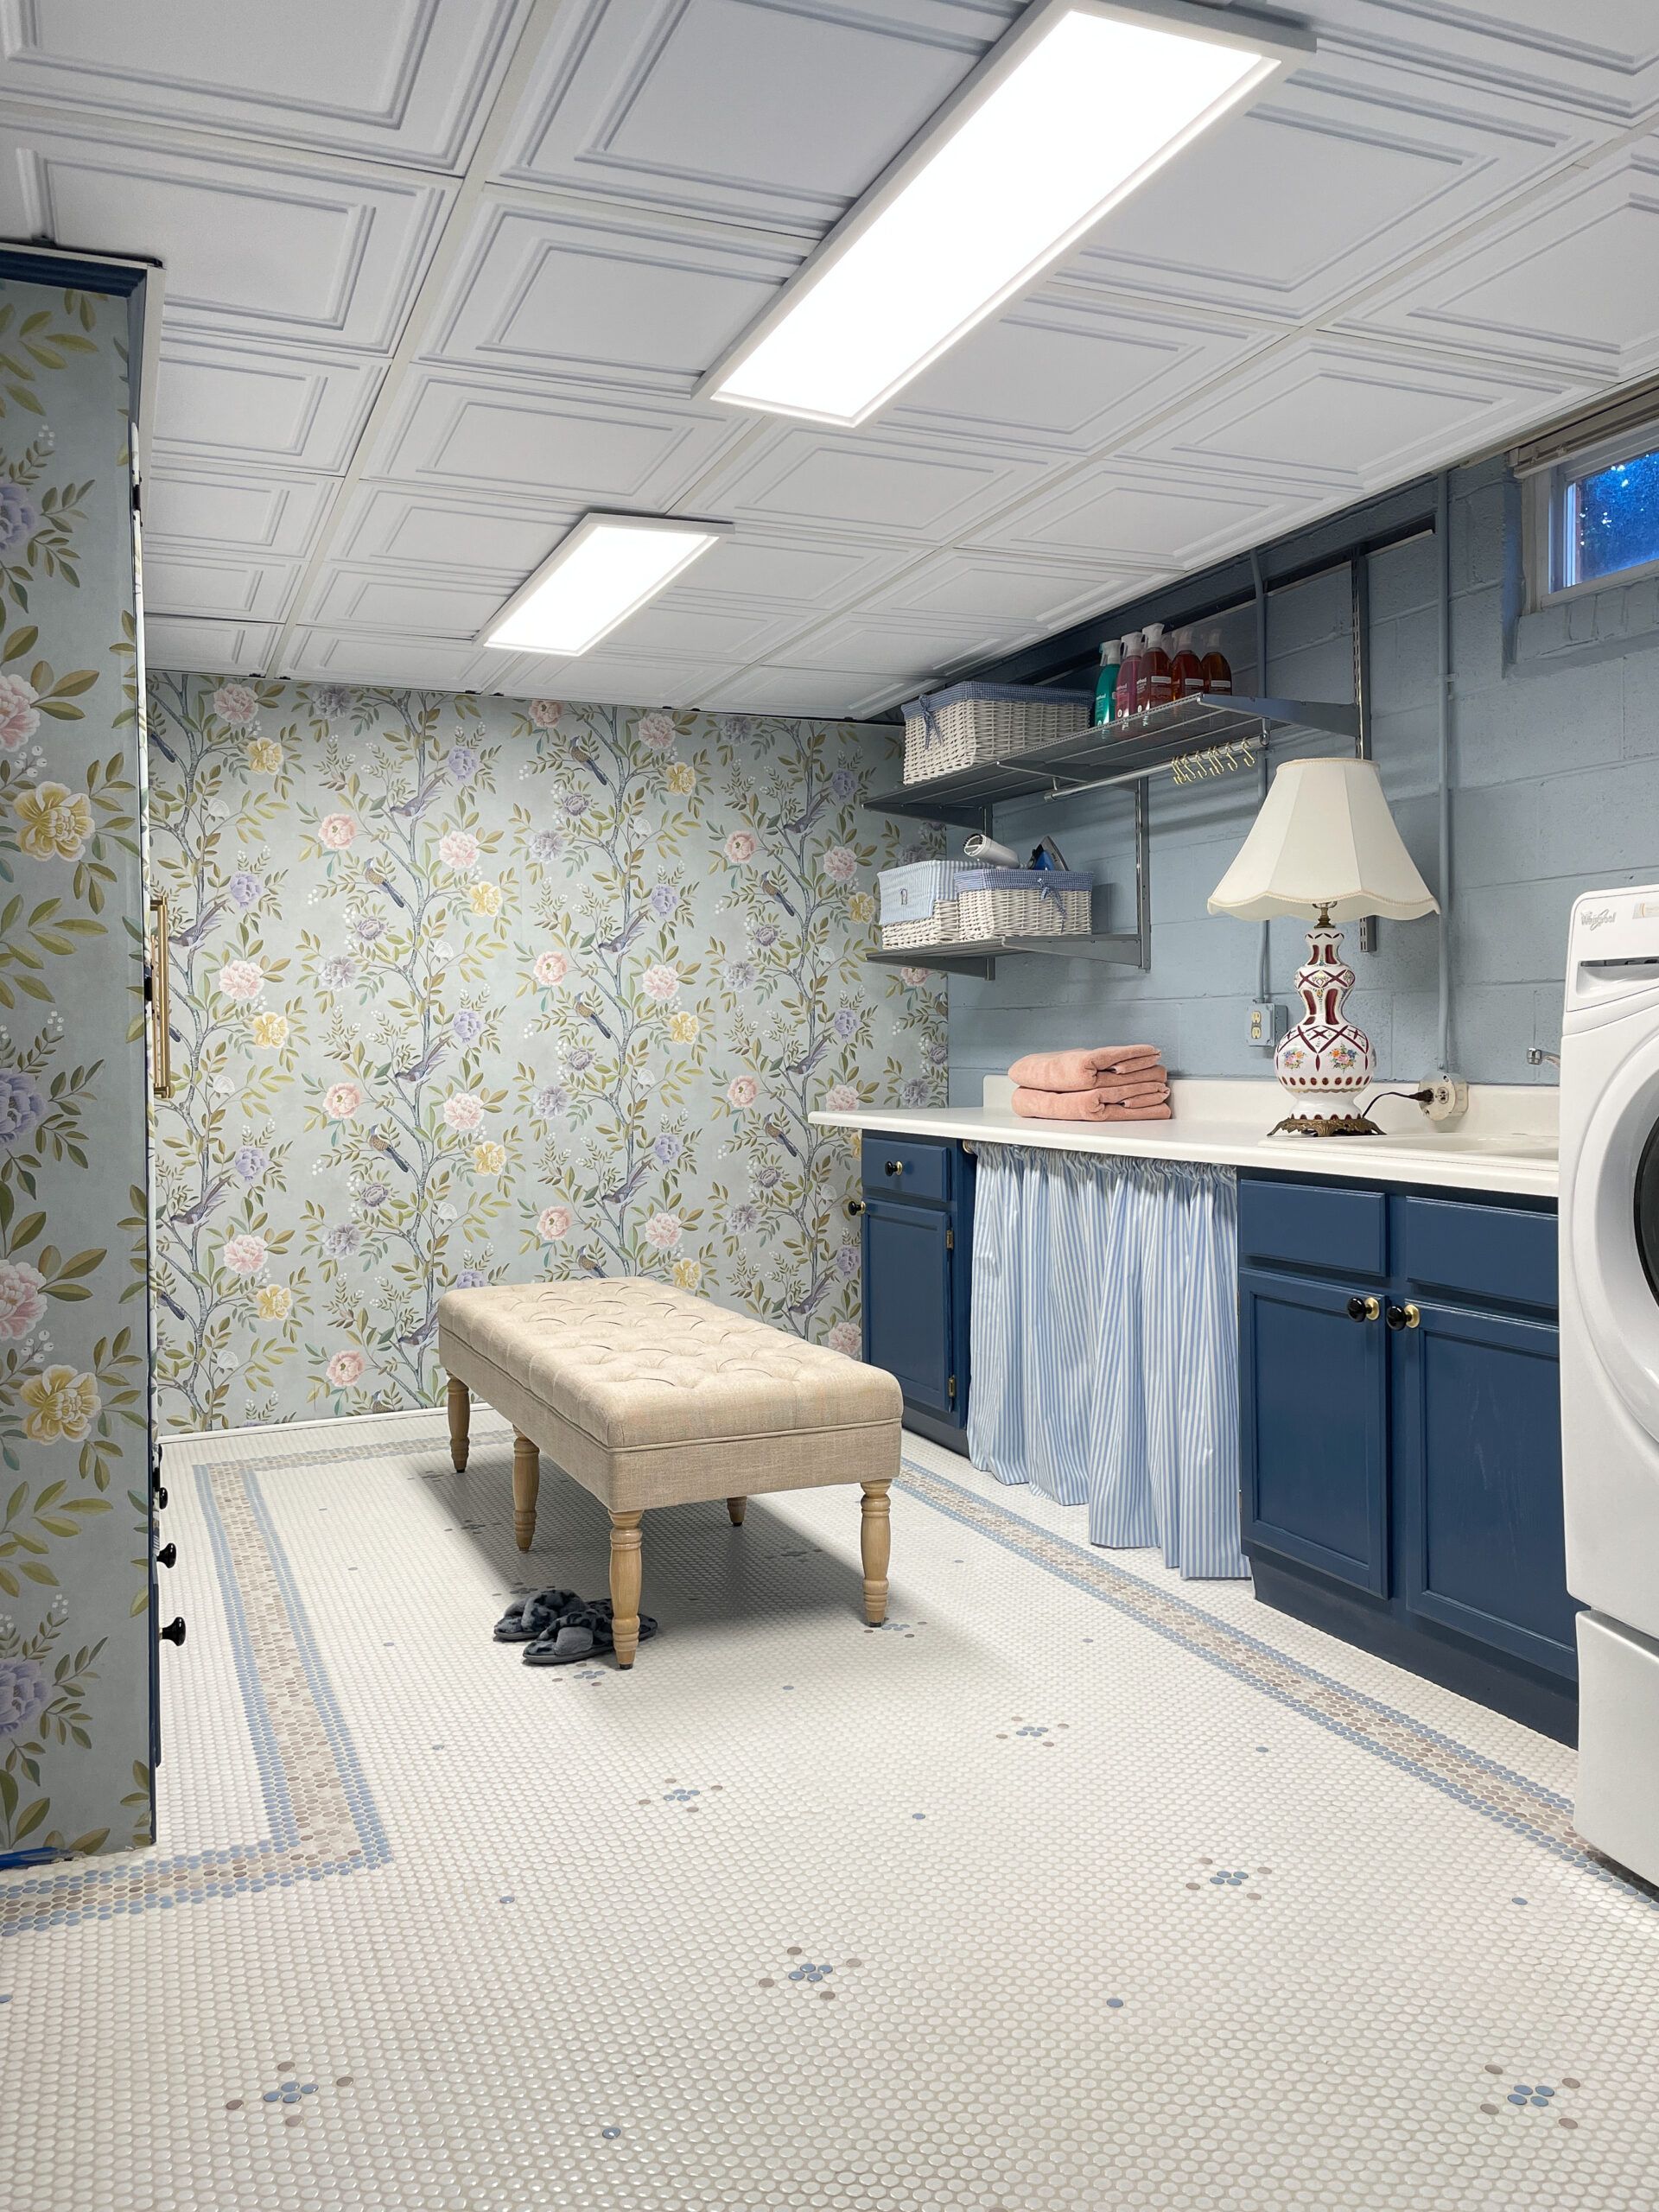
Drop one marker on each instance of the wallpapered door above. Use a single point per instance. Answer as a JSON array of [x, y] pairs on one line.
[[74, 1621], [472, 990]]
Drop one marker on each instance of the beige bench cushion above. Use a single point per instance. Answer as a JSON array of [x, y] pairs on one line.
[[649, 1396]]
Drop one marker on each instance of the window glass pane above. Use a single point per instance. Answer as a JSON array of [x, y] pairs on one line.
[[1613, 518]]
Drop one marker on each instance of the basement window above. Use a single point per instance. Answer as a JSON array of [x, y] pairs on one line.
[[1593, 516]]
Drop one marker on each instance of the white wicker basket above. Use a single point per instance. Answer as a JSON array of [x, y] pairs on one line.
[[940, 927], [971, 723], [1004, 902]]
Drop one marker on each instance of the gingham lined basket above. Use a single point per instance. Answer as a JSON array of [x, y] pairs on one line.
[[970, 722], [1005, 902], [942, 926]]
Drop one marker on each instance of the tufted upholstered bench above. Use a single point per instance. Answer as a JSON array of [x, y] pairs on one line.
[[648, 1397]]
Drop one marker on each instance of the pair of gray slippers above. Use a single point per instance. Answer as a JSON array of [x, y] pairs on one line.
[[556, 1627]]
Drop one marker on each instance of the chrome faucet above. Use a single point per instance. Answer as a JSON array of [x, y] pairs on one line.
[[1537, 1056]]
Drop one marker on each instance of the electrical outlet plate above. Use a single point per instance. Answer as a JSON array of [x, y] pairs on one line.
[[1268, 1021], [1447, 1099]]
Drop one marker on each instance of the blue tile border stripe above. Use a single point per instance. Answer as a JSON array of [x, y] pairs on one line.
[[321, 1814], [1542, 1815]]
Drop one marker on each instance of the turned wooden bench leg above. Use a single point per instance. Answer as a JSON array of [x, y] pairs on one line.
[[460, 1415], [526, 1481], [625, 1585], [737, 1507], [875, 1531]]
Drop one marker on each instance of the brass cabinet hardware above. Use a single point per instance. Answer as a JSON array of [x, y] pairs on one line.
[[161, 1007], [1405, 1317], [1365, 1309]]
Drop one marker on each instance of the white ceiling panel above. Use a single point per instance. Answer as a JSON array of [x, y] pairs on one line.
[[186, 505], [288, 249], [401, 605], [1350, 169], [240, 401], [1598, 57], [342, 657], [397, 523], [455, 430], [770, 689], [215, 648], [1001, 594], [400, 80], [616, 679], [893, 644], [217, 583], [779, 111], [704, 625], [1131, 514], [1073, 372], [902, 485], [1574, 281], [1346, 415], [621, 302]]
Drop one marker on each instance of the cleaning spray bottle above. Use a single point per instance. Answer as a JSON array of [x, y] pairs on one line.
[[1128, 676], [1111, 656]]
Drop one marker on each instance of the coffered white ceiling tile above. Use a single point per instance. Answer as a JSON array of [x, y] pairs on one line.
[[244, 402], [1573, 281], [773, 689], [903, 484], [359, 657], [1349, 169], [281, 247], [216, 583], [398, 524], [401, 605], [401, 80], [1073, 372], [185, 506], [896, 646], [558, 294], [776, 111], [764, 565], [1002, 593], [607, 679], [213, 648], [1348, 415], [533, 441], [1600, 57], [704, 623], [1144, 517]]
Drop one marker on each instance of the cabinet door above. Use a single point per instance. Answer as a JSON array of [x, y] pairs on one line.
[[908, 1299], [1478, 1468], [1313, 1406]]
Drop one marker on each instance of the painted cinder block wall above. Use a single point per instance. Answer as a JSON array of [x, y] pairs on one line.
[[1554, 791]]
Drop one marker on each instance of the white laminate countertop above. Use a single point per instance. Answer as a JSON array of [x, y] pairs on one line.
[[1506, 1142]]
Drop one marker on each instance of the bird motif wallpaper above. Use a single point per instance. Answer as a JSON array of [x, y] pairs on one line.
[[467, 990]]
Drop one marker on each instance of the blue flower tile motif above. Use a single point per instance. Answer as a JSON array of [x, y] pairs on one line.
[[809, 1975], [1533, 2096], [1231, 1878]]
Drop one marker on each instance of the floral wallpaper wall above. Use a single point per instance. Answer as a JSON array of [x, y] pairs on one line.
[[74, 1620], [470, 991]]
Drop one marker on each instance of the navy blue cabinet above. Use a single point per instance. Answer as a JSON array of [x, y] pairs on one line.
[[1401, 1413], [918, 1213]]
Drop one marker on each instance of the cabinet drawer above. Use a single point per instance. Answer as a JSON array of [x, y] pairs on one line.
[[1482, 1251], [1320, 1227], [920, 1166]]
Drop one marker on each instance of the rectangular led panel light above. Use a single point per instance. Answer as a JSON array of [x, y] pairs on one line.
[[1081, 102], [595, 578]]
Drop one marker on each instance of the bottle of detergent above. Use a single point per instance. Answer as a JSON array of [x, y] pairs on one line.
[[1151, 681], [1218, 672], [1128, 676], [1185, 670], [1111, 656]]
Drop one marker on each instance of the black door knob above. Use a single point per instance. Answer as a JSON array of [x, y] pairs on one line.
[[1404, 1317], [168, 1555], [1363, 1309], [895, 1167], [174, 1633], [854, 1207], [161, 1498]]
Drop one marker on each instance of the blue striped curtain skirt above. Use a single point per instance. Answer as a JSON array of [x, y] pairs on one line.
[[1105, 1345]]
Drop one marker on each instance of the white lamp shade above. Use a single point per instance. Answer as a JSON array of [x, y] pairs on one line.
[[1324, 838]]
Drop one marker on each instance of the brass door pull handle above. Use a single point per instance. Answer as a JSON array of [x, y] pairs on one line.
[[161, 1002]]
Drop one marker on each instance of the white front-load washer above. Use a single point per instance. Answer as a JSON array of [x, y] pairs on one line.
[[1610, 1360]]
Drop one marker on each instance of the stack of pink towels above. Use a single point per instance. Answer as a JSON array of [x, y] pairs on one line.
[[1098, 1083]]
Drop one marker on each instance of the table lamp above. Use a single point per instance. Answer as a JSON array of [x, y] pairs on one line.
[[1324, 843]]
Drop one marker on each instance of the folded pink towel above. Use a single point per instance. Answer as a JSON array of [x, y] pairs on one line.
[[1141, 1087], [1080, 1070], [1084, 1106]]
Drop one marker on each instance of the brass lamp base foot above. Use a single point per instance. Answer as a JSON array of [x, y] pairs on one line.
[[1326, 1125]]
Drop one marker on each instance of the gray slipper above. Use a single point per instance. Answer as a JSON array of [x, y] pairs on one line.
[[533, 1615], [581, 1632]]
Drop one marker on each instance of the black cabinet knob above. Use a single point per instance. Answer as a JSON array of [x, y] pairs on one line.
[[1405, 1317], [1363, 1309], [174, 1633], [895, 1167], [168, 1555], [854, 1207], [161, 1498]]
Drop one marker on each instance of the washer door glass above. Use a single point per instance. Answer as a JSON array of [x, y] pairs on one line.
[[1647, 1209]]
